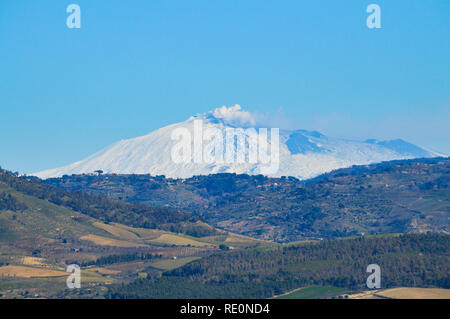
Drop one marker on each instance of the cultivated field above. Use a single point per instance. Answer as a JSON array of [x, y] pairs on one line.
[[143, 233], [117, 231], [32, 261], [404, 293], [29, 272], [105, 241]]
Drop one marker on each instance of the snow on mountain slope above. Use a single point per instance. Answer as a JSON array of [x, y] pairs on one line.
[[303, 154]]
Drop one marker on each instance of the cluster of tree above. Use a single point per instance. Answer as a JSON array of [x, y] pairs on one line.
[[9, 202], [419, 260], [196, 230], [114, 259]]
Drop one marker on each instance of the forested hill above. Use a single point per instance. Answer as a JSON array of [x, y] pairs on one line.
[[101, 208], [413, 260], [390, 197]]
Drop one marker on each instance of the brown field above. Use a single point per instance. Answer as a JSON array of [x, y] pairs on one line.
[[415, 293], [32, 261], [128, 233], [404, 293], [170, 239], [29, 272], [117, 231], [105, 241], [237, 239], [143, 233]]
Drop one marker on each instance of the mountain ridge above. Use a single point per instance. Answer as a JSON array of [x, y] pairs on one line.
[[395, 196]]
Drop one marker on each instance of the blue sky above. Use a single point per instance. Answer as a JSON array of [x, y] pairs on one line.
[[135, 66]]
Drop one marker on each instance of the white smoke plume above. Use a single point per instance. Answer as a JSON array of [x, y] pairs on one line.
[[236, 116]]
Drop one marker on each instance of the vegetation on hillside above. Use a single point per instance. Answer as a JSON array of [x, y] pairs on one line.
[[113, 259], [9, 202], [418, 260]]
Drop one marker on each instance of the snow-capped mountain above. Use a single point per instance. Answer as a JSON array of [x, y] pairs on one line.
[[303, 154]]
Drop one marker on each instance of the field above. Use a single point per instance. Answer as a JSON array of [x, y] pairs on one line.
[[311, 292], [32, 261], [29, 272], [124, 231], [403, 293], [105, 241], [117, 231], [171, 239], [160, 237]]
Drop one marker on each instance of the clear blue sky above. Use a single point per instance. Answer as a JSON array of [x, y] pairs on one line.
[[135, 66]]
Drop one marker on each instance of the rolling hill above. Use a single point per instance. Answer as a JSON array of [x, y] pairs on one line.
[[390, 197]]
